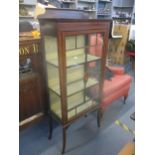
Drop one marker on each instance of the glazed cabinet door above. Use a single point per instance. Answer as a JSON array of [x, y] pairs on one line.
[[84, 61]]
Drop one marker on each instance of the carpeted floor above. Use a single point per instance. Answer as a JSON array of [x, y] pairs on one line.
[[84, 137]]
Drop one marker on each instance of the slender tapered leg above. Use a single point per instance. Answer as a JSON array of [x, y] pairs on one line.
[[100, 113], [50, 127], [85, 115], [125, 97], [64, 139]]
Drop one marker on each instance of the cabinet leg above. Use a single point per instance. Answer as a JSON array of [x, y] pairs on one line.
[[50, 127], [64, 139], [85, 115], [100, 113], [125, 97]]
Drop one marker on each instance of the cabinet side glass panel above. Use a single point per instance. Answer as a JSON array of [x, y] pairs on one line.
[[55, 103], [51, 56]]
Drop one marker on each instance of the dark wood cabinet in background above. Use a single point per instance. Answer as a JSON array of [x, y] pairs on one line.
[[32, 97]]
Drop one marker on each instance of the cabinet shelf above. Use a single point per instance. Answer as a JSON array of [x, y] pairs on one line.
[[25, 4], [73, 108], [90, 10], [73, 105], [85, 1], [68, 1], [121, 17], [99, 14], [105, 1], [74, 87], [75, 60], [122, 7]]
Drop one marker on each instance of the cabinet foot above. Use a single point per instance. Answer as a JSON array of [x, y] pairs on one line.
[[100, 113], [125, 98], [50, 127], [64, 139]]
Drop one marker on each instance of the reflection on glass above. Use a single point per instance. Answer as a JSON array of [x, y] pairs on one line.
[[92, 39]]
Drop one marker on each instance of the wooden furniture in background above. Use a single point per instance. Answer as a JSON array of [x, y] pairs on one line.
[[26, 10], [73, 71], [32, 104], [117, 44]]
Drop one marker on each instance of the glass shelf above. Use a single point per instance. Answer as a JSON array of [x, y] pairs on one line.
[[74, 106], [74, 87], [88, 104], [74, 60]]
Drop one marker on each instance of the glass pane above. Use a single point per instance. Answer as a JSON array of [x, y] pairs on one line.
[[81, 42], [75, 57], [70, 42], [53, 78], [51, 49], [51, 56], [100, 39], [92, 39], [75, 73], [77, 103], [55, 103], [80, 85]]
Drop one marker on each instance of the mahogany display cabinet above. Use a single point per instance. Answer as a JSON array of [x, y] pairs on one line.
[[75, 73]]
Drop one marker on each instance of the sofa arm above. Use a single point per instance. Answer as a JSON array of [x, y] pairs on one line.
[[116, 70]]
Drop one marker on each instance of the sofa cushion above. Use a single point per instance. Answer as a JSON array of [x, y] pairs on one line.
[[116, 83], [114, 96]]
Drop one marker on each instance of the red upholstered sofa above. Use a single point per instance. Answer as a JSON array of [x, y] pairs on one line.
[[119, 85], [116, 87]]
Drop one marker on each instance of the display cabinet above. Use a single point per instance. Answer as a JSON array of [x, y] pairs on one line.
[[75, 71]]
